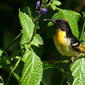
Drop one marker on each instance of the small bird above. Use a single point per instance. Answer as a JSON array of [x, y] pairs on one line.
[[66, 43]]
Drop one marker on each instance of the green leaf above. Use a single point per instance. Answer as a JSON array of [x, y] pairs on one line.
[[1, 52], [1, 81], [78, 72], [83, 15], [17, 77], [57, 3], [27, 27], [72, 18], [37, 40], [83, 37], [53, 7], [32, 71], [83, 44], [54, 4], [29, 12], [25, 56]]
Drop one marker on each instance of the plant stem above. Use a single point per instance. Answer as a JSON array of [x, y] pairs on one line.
[[37, 18], [12, 70], [15, 39], [82, 33], [49, 3], [36, 21], [63, 76], [55, 62]]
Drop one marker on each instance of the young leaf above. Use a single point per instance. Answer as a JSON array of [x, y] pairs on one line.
[[72, 18], [25, 56], [37, 40], [78, 73], [53, 7], [54, 4], [83, 37], [32, 71], [57, 3], [1, 81], [1, 52], [27, 27]]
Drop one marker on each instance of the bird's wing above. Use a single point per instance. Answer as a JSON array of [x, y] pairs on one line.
[[75, 43]]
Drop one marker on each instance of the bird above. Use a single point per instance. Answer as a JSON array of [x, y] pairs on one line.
[[66, 43]]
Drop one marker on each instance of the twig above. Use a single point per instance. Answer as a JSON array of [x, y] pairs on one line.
[[15, 66], [15, 39]]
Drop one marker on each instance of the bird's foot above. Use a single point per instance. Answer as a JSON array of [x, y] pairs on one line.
[[74, 58]]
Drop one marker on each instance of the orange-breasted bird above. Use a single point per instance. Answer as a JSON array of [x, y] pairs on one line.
[[66, 43]]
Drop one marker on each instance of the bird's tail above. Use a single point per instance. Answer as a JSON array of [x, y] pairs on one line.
[[82, 48]]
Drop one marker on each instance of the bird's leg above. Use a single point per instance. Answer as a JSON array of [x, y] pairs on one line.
[[74, 58]]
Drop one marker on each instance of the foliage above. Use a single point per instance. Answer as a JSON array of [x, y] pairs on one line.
[[78, 72], [31, 58], [32, 71], [72, 17]]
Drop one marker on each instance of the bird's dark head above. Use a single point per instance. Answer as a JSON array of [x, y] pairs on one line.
[[60, 23]]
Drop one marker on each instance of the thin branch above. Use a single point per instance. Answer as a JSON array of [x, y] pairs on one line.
[[15, 39]]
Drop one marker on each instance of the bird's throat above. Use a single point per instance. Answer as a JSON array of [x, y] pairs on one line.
[[60, 36]]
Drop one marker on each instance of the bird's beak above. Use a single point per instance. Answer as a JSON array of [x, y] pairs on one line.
[[51, 20]]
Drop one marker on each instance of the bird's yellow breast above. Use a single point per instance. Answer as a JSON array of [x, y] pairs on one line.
[[63, 44], [60, 36]]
